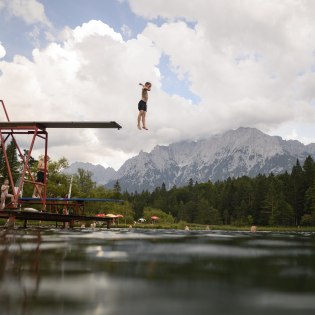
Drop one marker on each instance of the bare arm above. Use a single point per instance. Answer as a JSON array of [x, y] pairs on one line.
[[143, 86], [4, 188], [41, 166]]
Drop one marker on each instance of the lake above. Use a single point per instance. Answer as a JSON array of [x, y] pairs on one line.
[[121, 271]]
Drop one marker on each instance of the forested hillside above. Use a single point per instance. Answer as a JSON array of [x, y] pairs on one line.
[[287, 199]]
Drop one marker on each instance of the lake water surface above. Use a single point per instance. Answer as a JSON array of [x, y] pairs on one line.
[[96, 272]]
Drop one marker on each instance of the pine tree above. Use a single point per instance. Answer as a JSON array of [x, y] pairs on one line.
[[202, 212], [309, 171], [298, 191], [270, 202], [260, 187], [283, 213], [190, 184], [117, 188], [13, 162], [310, 200], [214, 216]]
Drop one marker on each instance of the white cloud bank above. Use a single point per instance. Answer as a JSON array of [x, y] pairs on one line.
[[92, 75], [30, 11], [250, 62]]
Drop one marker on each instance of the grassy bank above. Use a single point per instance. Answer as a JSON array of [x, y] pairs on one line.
[[200, 227], [176, 226]]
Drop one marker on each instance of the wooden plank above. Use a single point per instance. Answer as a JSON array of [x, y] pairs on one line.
[[59, 124], [47, 216]]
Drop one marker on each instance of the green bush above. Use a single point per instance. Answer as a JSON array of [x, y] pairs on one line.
[[308, 220]]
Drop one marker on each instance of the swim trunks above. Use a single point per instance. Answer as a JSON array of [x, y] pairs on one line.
[[40, 177], [142, 105]]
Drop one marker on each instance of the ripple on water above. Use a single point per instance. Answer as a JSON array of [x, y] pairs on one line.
[[163, 271]]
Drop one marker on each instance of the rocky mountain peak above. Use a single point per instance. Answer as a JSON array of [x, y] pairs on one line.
[[244, 151]]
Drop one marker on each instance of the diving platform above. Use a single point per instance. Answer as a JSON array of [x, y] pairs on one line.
[[43, 125], [50, 207], [52, 217], [74, 207], [30, 200]]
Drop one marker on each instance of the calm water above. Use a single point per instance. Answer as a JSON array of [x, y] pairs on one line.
[[98, 272]]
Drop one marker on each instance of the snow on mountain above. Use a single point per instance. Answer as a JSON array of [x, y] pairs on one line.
[[245, 151]]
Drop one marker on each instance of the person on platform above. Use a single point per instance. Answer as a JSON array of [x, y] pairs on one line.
[[40, 176], [142, 105], [5, 194]]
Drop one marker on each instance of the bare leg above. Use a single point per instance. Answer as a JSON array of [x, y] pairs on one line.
[[2, 202], [139, 118], [37, 191], [143, 120], [14, 204]]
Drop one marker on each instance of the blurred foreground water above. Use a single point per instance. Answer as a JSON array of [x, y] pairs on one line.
[[96, 272]]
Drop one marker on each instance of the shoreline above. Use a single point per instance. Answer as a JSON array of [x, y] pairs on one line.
[[179, 226]]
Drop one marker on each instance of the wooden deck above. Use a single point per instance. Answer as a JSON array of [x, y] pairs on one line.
[[52, 217]]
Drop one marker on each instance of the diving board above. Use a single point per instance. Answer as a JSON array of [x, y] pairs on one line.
[[43, 125]]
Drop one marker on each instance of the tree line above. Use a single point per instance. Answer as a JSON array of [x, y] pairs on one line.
[[275, 200], [286, 199]]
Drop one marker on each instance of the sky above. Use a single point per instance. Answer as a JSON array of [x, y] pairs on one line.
[[214, 65]]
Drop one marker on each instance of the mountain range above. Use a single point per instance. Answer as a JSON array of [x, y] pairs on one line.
[[100, 174], [235, 153]]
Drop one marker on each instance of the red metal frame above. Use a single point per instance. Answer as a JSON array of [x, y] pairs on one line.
[[37, 132]]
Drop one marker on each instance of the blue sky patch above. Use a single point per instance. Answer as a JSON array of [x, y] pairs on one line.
[[112, 12], [171, 84], [16, 35]]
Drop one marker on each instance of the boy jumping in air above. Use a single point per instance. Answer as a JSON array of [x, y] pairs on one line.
[[142, 105]]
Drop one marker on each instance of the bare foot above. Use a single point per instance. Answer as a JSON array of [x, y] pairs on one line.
[[139, 127]]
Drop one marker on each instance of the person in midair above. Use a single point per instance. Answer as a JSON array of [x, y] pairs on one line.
[[142, 105]]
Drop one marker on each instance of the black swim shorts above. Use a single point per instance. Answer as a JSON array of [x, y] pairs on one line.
[[142, 105], [40, 177]]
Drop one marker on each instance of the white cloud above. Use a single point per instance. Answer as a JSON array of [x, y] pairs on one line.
[[95, 28], [2, 51], [251, 61], [30, 11], [92, 75]]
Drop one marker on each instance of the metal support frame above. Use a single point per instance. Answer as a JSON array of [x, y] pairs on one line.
[[36, 132]]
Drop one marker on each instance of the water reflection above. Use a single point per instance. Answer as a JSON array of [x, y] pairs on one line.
[[155, 272]]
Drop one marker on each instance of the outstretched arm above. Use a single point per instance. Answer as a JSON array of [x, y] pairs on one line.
[[144, 87]]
